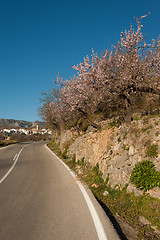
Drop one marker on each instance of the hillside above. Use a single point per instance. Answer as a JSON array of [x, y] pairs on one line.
[[12, 123]]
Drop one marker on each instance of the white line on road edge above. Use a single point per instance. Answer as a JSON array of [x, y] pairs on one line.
[[10, 170], [98, 225], [15, 157]]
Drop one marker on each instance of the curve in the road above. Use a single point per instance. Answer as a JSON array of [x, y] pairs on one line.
[[98, 225], [15, 159]]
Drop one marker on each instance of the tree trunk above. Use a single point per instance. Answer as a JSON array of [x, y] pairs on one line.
[[128, 112], [91, 122], [77, 129]]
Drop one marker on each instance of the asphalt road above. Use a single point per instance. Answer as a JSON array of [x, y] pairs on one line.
[[41, 200]]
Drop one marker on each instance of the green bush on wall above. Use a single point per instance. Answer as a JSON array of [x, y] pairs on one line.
[[145, 176]]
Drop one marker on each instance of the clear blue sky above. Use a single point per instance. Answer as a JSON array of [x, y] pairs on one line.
[[39, 38]]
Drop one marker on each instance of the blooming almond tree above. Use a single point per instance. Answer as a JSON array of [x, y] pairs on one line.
[[113, 81], [137, 66]]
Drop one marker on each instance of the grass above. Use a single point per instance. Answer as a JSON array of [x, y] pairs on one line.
[[55, 148], [136, 118], [126, 205], [153, 116], [152, 150]]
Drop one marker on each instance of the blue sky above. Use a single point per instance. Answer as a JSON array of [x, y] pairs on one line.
[[39, 38]]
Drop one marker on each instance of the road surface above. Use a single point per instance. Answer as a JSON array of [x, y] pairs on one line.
[[41, 200]]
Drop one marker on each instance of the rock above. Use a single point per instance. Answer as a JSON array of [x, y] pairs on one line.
[[79, 170], [144, 221], [105, 193], [112, 184], [117, 147], [124, 157], [155, 230], [126, 142], [155, 192], [106, 155], [158, 137], [104, 176], [137, 192], [127, 170], [131, 188], [131, 150], [91, 129], [106, 148], [95, 185], [122, 161], [66, 139]]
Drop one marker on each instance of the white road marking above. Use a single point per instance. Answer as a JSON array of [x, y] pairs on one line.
[[15, 161], [97, 223], [15, 157]]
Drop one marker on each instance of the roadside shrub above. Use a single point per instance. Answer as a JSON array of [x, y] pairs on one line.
[[64, 154], [145, 176], [74, 158], [52, 143], [136, 118], [2, 144], [85, 126], [112, 124], [152, 150], [97, 174], [81, 162]]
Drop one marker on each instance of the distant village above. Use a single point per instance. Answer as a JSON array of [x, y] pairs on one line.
[[30, 133]]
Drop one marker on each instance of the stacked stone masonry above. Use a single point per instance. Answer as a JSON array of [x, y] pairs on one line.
[[117, 149]]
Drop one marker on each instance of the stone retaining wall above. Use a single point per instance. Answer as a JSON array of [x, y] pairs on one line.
[[117, 150]]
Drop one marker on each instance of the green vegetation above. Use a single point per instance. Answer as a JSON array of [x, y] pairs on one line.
[[82, 124], [127, 206], [136, 132], [145, 176], [111, 124], [4, 143], [156, 123], [152, 150], [125, 147], [154, 115], [136, 118], [55, 148], [94, 176], [147, 128], [64, 154], [119, 202], [125, 135]]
